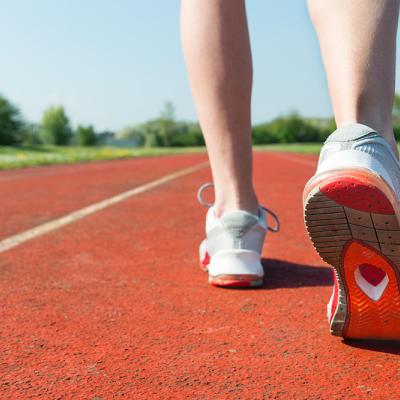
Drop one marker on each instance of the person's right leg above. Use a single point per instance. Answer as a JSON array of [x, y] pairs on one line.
[[352, 204], [358, 46]]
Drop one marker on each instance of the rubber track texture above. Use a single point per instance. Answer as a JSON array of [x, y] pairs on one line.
[[114, 306], [38, 195]]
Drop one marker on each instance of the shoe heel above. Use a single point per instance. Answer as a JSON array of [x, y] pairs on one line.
[[237, 281]]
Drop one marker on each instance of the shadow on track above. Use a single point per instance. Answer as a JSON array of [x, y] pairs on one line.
[[285, 274], [391, 347]]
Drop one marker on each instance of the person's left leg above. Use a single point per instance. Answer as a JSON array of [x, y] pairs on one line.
[[217, 52], [216, 47]]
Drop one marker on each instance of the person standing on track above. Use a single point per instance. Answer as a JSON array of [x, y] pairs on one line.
[[352, 203]]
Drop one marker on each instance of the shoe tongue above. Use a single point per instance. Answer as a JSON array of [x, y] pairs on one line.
[[239, 220], [349, 133]]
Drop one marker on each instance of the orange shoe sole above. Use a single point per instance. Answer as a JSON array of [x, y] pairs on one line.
[[352, 218]]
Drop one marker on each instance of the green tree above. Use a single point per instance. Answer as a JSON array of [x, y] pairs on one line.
[[11, 123], [186, 134], [396, 110], [285, 129], [293, 128], [30, 135], [56, 128], [151, 134], [326, 129], [262, 134], [86, 135], [396, 116], [134, 133], [166, 123]]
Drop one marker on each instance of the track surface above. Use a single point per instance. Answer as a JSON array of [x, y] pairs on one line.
[[114, 305]]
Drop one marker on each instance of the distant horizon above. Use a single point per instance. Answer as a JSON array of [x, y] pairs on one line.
[[117, 66], [254, 123]]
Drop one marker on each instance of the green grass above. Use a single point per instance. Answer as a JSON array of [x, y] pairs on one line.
[[18, 157], [305, 148]]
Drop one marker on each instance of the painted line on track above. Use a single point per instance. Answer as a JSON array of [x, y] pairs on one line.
[[20, 238]]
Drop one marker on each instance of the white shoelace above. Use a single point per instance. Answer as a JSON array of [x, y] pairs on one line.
[[208, 205]]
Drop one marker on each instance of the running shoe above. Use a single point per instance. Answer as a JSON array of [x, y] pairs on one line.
[[351, 211], [231, 252]]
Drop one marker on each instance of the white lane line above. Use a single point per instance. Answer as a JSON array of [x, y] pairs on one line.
[[16, 240]]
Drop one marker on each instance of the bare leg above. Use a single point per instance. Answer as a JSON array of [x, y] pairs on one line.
[[358, 45], [217, 52]]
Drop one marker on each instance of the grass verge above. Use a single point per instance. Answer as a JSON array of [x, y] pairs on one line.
[[19, 157]]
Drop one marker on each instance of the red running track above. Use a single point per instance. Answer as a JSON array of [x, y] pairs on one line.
[[114, 305], [33, 196]]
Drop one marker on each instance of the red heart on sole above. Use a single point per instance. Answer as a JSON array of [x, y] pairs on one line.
[[372, 274]]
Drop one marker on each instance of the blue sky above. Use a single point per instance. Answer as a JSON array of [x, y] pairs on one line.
[[115, 63]]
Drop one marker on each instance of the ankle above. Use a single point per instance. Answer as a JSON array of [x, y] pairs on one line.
[[248, 203]]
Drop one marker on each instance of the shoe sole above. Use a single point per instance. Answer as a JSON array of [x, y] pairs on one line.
[[232, 281], [352, 219], [235, 281]]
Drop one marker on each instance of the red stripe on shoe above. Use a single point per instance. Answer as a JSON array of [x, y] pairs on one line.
[[360, 195]]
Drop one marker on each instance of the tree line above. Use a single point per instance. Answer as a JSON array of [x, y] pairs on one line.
[[55, 128], [164, 131]]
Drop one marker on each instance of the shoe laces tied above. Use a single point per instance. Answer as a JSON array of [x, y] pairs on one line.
[[205, 204]]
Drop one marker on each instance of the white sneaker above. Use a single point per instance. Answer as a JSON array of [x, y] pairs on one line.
[[351, 209], [231, 252]]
